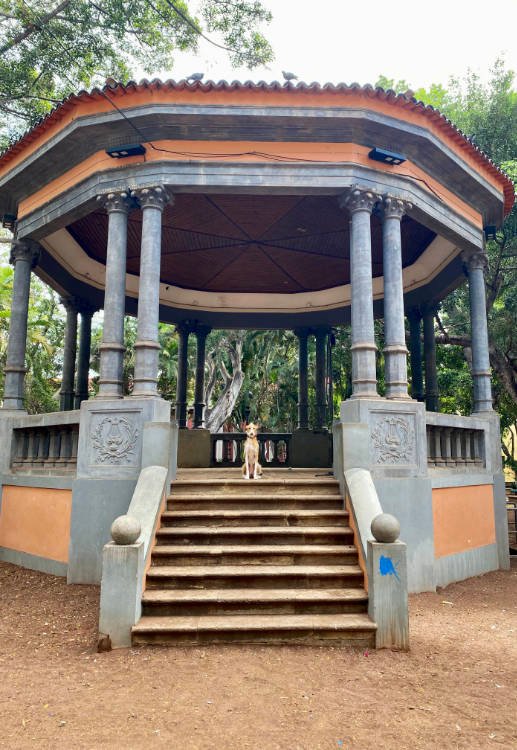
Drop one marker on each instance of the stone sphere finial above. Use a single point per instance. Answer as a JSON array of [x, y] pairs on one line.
[[385, 528], [125, 530]]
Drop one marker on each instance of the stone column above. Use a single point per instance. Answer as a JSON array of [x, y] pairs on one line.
[[199, 404], [321, 340], [152, 202], [360, 204], [112, 348], [303, 386], [183, 330], [24, 256], [83, 359], [476, 264], [414, 317], [431, 377], [67, 393], [395, 350]]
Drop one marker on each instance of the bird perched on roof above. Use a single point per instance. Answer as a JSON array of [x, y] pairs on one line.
[[196, 77], [110, 81], [289, 76]]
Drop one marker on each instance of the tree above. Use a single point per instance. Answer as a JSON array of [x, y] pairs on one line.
[[47, 52]]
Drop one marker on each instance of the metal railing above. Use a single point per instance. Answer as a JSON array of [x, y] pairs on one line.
[[227, 448]]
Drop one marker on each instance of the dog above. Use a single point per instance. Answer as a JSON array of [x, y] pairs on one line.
[[251, 469]]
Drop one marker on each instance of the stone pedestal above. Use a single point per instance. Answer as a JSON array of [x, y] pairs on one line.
[[194, 449], [110, 454], [388, 594], [311, 449]]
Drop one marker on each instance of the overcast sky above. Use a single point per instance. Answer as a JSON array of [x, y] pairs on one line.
[[341, 40]]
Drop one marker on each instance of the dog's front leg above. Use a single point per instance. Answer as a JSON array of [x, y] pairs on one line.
[[247, 465]]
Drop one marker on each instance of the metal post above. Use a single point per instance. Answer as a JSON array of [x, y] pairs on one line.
[[199, 403], [395, 350], [360, 204], [147, 348], [303, 387], [67, 392], [431, 377], [112, 348], [414, 317], [183, 330], [24, 256]]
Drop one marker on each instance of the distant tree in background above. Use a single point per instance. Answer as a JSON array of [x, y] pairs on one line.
[[49, 50]]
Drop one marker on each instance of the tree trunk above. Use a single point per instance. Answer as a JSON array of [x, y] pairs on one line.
[[216, 416]]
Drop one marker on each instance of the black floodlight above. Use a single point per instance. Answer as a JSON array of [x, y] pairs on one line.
[[9, 221], [490, 232], [130, 149], [387, 157]]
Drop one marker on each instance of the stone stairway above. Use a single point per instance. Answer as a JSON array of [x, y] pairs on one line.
[[269, 561]]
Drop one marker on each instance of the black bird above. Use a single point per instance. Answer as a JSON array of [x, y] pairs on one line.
[[196, 77], [289, 76]]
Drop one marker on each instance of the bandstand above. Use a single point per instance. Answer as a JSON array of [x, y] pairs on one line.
[[261, 206]]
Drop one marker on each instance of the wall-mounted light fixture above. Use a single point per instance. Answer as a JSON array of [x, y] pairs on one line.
[[129, 149], [490, 232], [387, 157], [9, 222]]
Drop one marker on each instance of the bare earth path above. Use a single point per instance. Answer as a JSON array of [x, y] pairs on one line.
[[457, 688]]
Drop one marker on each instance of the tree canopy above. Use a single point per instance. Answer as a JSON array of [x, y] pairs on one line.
[[49, 52]]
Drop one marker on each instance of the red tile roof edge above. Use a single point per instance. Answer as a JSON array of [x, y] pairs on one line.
[[402, 100]]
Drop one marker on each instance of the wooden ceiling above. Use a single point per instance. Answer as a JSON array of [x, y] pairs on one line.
[[251, 243]]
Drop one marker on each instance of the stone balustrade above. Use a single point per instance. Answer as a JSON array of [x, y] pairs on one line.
[[455, 442], [45, 444]]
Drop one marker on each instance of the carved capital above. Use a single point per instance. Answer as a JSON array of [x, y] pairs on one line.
[[85, 308], [201, 331], [116, 202], [357, 199], [71, 304], [152, 197], [475, 261], [393, 207], [26, 250]]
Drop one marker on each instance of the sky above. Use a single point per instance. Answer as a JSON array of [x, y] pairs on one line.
[[421, 42]]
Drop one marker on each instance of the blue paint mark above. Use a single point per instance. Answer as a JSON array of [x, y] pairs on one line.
[[386, 567]]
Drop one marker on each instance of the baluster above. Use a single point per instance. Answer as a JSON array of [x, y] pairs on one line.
[[478, 436], [430, 445], [449, 460], [74, 443], [468, 447], [20, 446], [53, 448], [31, 448], [458, 449], [438, 454], [42, 447]]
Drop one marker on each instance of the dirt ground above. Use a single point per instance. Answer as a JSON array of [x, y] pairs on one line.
[[457, 688]]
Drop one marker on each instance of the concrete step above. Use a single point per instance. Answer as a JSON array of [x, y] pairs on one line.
[[255, 535], [254, 554], [254, 576], [259, 500], [357, 629], [323, 485], [253, 601], [277, 517]]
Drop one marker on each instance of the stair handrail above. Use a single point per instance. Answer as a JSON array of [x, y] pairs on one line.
[[382, 555], [126, 558]]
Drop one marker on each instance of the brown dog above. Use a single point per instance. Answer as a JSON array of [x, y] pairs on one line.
[[251, 469]]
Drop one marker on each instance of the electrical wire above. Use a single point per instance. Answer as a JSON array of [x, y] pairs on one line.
[[203, 154]]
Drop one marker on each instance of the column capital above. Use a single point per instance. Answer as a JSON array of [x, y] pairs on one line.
[[184, 327], [116, 202], [201, 331], [392, 207], [26, 250], [70, 303], [359, 199], [302, 332], [474, 261], [86, 308], [152, 197]]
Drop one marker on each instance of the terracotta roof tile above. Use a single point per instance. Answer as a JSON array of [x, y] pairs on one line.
[[401, 100]]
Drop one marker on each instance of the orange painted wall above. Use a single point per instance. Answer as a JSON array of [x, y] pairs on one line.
[[463, 518], [247, 152], [36, 520]]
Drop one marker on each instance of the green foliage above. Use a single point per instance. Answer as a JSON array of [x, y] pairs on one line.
[[47, 53]]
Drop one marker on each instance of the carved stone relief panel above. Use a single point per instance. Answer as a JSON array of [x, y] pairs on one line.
[[114, 438], [392, 438]]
